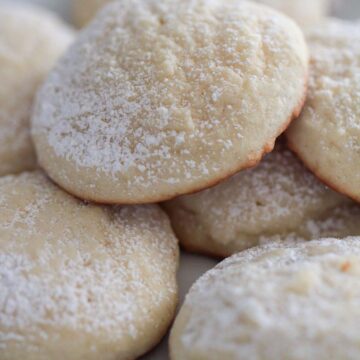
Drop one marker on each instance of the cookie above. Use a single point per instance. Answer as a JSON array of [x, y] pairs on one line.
[[327, 135], [79, 281], [305, 12], [279, 200], [31, 40], [275, 302], [159, 99]]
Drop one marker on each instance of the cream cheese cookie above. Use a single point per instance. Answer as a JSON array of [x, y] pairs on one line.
[[275, 302], [327, 135], [305, 12], [162, 98], [79, 281], [31, 40], [279, 200]]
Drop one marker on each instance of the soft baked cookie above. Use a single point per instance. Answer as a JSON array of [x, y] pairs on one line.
[[279, 200], [305, 12], [327, 135], [161, 98], [79, 281], [31, 40], [275, 302]]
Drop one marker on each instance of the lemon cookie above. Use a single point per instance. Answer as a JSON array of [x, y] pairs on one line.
[[79, 281], [279, 200], [161, 98], [31, 40], [275, 302], [327, 135]]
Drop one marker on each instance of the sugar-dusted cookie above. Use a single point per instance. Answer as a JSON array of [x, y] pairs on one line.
[[79, 281], [31, 40], [327, 135], [279, 200], [161, 98], [305, 12], [275, 302]]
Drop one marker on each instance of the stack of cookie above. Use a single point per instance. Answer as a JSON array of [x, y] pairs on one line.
[[178, 108]]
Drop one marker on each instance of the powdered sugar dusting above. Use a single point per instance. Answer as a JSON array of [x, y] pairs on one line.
[[335, 73], [327, 134], [279, 200], [146, 90], [71, 268], [31, 40], [266, 301]]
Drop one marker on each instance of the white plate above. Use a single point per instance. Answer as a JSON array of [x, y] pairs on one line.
[[191, 266]]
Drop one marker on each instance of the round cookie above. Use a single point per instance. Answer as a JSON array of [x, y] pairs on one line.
[[159, 99], [275, 302], [279, 200], [31, 40], [305, 12], [327, 135], [79, 281]]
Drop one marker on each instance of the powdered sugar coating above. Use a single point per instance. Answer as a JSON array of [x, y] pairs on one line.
[[305, 12], [157, 99], [275, 302], [279, 200], [327, 135], [31, 40], [79, 281]]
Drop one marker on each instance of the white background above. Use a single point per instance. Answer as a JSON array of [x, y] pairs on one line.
[[191, 266]]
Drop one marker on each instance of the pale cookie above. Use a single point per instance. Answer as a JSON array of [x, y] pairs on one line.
[[79, 281], [305, 12], [31, 40], [327, 135], [275, 302], [162, 98], [279, 200]]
